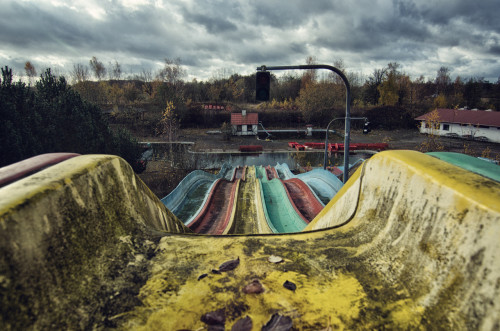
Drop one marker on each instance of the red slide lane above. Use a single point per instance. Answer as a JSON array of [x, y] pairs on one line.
[[217, 211], [271, 173], [16, 171], [303, 199]]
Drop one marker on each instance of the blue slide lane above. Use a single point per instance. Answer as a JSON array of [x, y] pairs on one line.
[[323, 183], [187, 199], [284, 171]]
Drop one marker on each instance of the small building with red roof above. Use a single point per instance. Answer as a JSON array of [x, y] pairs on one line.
[[244, 124], [462, 123]]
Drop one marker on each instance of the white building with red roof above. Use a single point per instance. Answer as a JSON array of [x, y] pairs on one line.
[[459, 123], [244, 124]]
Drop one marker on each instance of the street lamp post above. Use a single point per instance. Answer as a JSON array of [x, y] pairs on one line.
[[326, 138], [325, 159], [347, 135]]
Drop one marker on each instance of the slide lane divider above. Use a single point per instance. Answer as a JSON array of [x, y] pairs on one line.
[[243, 175], [235, 170]]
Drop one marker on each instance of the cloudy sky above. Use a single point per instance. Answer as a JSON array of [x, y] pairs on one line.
[[235, 35]]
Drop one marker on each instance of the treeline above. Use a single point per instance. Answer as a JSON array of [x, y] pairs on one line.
[[388, 86], [389, 97], [52, 117]]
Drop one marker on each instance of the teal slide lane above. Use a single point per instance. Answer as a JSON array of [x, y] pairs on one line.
[[473, 164], [281, 215], [260, 173]]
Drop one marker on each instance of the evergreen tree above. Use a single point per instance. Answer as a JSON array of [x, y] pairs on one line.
[[54, 118]]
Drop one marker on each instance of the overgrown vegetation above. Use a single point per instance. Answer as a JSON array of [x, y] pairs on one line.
[[432, 142], [388, 97], [169, 124], [53, 117], [226, 131]]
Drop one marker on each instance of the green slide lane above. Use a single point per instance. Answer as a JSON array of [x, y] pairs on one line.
[[281, 215], [467, 162], [260, 173]]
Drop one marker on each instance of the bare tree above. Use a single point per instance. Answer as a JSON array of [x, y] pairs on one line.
[[98, 68], [30, 71], [310, 76], [172, 72], [116, 70], [80, 73], [334, 77], [144, 76], [443, 80]]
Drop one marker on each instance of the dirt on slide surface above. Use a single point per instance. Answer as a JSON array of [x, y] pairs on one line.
[[162, 179]]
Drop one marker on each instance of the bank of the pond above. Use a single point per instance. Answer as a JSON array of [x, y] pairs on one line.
[[410, 139], [199, 150], [171, 162]]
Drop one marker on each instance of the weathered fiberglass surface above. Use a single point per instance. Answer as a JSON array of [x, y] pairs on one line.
[[409, 242]]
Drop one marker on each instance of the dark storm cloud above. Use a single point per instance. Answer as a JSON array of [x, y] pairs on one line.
[[495, 49], [213, 23], [260, 54], [61, 31], [27, 25], [455, 22], [286, 14], [462, 35]]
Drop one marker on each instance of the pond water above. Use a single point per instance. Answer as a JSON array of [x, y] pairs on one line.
[[180, 156]]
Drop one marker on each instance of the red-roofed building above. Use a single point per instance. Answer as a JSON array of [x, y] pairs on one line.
[[244, 124], [471, 124]]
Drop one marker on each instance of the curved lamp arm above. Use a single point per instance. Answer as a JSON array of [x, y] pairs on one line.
[[347, 135]]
